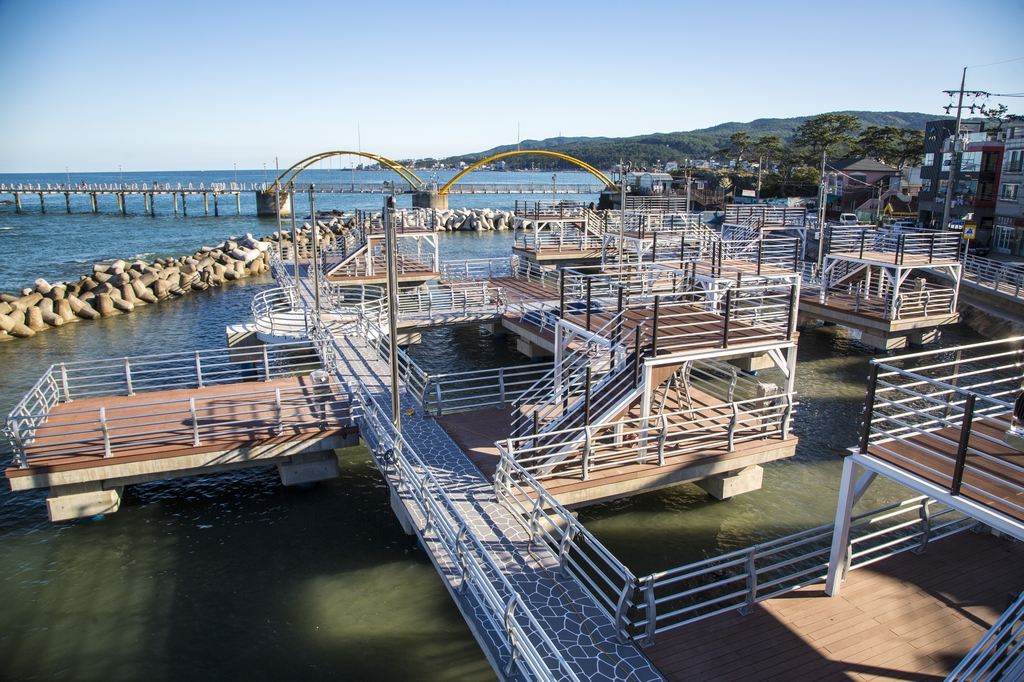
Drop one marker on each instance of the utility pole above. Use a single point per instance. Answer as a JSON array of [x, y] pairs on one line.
[[954, 159], [760, 162], [316, 248], [623, 176], [392, 290], [277, 205], [822, 196], [295, 243]]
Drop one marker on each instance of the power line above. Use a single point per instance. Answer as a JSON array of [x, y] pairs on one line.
[[1015, 59]]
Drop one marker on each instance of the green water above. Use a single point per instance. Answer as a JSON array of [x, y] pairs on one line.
[[237, 577]]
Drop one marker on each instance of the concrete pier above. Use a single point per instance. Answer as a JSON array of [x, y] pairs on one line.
[[265, 205]]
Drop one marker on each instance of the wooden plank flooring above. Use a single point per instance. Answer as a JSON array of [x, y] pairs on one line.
[[908, 617], [932, 458], [159, 424]]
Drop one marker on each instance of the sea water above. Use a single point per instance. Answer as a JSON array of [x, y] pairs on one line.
[[234, 575]]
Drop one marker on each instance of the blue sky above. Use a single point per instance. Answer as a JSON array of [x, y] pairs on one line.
[[202, 85]]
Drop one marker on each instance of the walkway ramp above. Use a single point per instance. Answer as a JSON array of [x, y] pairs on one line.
[[554, 628]]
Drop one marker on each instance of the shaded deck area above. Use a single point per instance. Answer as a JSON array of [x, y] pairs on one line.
[[695, 446], [993, 473], [907, 617]]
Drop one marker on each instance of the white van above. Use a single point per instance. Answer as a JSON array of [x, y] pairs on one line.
[[847, 218]]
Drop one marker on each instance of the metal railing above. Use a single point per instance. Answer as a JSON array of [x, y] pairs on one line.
[[581, 451], [667, 600], [474, 270], [526, 646], [1000, 653], [66, 382], [459, 300], [1005, 278], [409, 373], [567, 239], [274, 312], [909, 247], [922, 416], [766, 215], [479, 389], [605, 579], [549, 209]]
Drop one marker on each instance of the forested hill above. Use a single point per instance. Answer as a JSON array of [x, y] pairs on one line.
[[644, 150]]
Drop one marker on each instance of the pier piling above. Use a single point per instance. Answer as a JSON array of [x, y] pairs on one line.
[[67, 200], [42, 203]]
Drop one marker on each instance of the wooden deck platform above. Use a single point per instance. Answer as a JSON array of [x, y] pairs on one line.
[[147, 427], [476, 432], [932, 458], [556, 255], [356, 271], [904, 618], [906, 260], [686, 328]]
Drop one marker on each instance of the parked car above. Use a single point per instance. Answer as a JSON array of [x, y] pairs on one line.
[[977, 249], [847, 218]]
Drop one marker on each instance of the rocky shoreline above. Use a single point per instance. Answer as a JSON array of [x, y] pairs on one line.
[[120, 287]]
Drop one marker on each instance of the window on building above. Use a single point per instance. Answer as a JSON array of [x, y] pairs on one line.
[[1016, 162], [1008, 192], [970, 162], [926, 184], [929, 159], [945, 162]]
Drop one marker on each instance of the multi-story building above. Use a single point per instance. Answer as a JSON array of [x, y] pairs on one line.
[[977, 179], [1008, 233]]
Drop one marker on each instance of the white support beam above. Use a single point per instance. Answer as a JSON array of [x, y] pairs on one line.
[[841, 532], [975, 510]]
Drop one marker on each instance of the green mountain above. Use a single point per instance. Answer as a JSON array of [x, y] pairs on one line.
[[645, 150]]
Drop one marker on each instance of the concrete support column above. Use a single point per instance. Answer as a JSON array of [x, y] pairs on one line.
[[265, 205], [238, 203], [841, 533], [430, 199], [924, 337], [145, 202], [95, 204], [883, 343], [732, 483], [206, 203], [184, 207], [81, 501], [174, 197], [152, 204], [67, 200], [309, 467], [216, 204], [17, 202], [42, 203]]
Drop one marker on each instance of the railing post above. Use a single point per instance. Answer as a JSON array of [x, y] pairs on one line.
[[195, 422], [280, 412], [266, 364], [662, 438], [64, 383], [587, 398], [733, 423], [926, 527], [106, 433], [728, 313], [751, 567], [128, 376], [652, 612], [636, 358], [869, 408], [657, 314], [587, 446], [199, 371], [501, 388], [961, 451], [589, 282]]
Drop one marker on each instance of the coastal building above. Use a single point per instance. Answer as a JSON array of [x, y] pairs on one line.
[[859, 183], [1008, 232], [977, 179]]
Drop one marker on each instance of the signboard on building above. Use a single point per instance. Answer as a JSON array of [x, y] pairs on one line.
[[748, 193]]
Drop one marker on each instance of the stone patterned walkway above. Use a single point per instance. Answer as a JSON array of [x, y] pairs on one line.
[[581, 630]]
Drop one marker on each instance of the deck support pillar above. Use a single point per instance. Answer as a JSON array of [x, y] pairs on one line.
[[308, 467], [82, 501], [883, 343], [398, 507], [841, 534], [216, 204], [924, 337], [732, 483]]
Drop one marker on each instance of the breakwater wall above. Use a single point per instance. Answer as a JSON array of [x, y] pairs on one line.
[[120, 287]]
